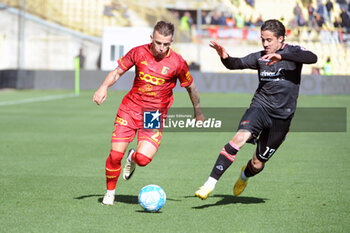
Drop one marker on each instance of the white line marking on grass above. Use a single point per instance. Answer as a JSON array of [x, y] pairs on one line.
[[37, 99]]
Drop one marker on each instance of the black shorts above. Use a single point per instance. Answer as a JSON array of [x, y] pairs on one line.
[[268, 132]]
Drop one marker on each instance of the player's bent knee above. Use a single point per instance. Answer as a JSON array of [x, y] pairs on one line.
[[257, 164], [240, 138], [115, 156], [141, 159]]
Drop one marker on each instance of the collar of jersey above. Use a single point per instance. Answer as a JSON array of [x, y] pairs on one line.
[[167, 55], [283, 46]]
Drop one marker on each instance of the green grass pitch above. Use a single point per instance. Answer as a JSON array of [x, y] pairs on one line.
[[52, 157]]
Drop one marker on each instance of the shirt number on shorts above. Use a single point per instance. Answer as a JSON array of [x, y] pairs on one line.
[[156, 135], [268, 152]]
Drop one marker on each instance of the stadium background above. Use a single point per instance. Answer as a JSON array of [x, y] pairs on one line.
[[51, 33], [53, 143]]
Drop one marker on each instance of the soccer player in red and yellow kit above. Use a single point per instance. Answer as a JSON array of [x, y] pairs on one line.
[[157, 70]]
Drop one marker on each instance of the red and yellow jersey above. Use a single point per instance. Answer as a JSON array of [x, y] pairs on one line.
[[154, 79]]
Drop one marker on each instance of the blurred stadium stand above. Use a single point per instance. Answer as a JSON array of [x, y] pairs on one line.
[[62, 27]]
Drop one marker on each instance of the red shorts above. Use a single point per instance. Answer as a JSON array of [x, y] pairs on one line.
[[128, 122]]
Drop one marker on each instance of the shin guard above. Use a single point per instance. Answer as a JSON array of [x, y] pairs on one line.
[[113, 167]]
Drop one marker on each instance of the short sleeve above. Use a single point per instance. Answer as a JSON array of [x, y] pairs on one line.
[[184, 75], [127, 61]]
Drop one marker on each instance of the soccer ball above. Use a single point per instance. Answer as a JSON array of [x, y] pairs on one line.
[[152, 198]]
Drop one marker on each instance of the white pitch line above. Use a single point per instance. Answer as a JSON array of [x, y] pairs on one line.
[[37, 99]]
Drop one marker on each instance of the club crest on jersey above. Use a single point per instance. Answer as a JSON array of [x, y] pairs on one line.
[[165, 70]]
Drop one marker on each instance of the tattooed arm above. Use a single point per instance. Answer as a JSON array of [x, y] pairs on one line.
[[194, 96]]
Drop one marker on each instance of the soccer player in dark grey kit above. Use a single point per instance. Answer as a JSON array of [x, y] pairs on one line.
[[266, 122]]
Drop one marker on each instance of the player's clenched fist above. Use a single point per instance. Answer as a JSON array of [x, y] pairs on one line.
[[100, 96]]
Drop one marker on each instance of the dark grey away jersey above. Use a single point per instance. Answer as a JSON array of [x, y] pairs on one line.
[[279, 83]]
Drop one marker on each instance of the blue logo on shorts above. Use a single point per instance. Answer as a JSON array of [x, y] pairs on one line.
[[151, 120]]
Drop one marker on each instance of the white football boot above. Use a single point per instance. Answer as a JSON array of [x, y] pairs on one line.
[[129, 167], [108, 199]]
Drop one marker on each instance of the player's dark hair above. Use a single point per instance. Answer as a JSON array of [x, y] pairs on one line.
[[275, 26], [164, 28]]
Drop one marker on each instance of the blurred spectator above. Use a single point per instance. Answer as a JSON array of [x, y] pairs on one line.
[[301, 21], [98, 61], [329, 8], [250, 2], [337, 22], [259, 21], [222, 20], [315, 71], [218, 19], [345, 19], [327, 68], [230, 21], [319, 20], [297, 12], [186, 23], [108, 10], [321, 12], [240, 20], [215, 18], [310, 11], [249, 22], [204, 18], [81, 57], [176, 15], [342, 3], [185, 26], [115, 6], [293, 25]]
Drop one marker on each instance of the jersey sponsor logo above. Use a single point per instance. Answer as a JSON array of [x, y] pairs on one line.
[[270, 76], [121, 121], [164, 70], [147, 89], [118, 121], [151, 79]]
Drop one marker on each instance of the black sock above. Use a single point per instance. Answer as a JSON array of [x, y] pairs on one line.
[[223, 162], [250, 170]]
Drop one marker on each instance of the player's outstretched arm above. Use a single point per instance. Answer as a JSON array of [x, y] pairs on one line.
[[101, 93], [194, 96], [231, 63], [219, 49]]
